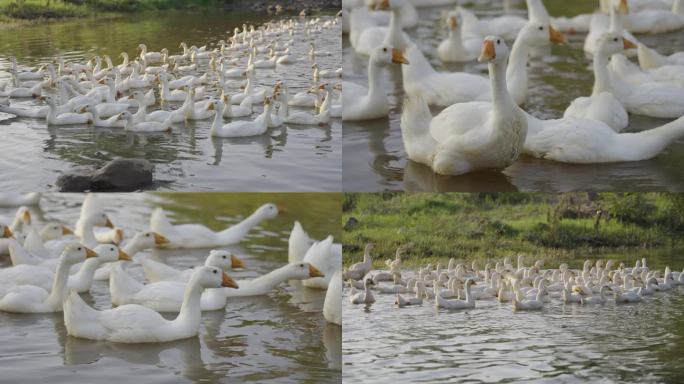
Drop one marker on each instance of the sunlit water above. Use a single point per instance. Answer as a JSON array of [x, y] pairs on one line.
[[282, 336], [375, 159], [639, 342], [288, 158]]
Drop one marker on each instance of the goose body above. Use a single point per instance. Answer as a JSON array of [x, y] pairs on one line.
[[157, 271], [332, 307]]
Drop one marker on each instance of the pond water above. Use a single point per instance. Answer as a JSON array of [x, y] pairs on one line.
[[374, 156], [282, 336], [288, 158], [632, 343]]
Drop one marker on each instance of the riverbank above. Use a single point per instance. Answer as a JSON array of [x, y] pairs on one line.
[[489, 227], [27, 11]]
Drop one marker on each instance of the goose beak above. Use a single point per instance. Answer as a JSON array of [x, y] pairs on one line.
[[90, 253], [623, 7], [26, 216], [398, 57], [7, 233], [124, 256], [488, 52], [452, 23], [313, 272], [628, 44], [236, 262], [555, 36], [210, 107], [109, 224], [159, 239], [281, 209], [66, 231], [383, 5], [118, 236], [228, 282]]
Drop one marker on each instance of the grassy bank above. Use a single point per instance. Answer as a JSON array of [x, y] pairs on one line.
[[487, 227]]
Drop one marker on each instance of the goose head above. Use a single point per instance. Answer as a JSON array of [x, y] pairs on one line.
[[142, 47], [75, 253], [269, 211], [386, 55], [494, 50], [53, 231], [454, 21], [99, 219], [541, 34], [107, 253], [612, 43], [23, 215], [212, 277], [386, 5], [302, 271], [224, 260], [149, 239], [621, 6]]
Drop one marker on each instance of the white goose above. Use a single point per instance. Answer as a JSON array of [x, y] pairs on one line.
[[55, 118], [650, 58], [360, 103], [199, 236], [240, 128], [468, 136], [359, 270], [468, 303], [158, 271], [32, 299], [460, 45], [8, 199], [136, 324], [365, 297], [298, 243], [332, 306]]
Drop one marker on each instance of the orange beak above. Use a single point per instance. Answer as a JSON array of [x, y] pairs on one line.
[[452, 23], [383, 5], [236, 262], [555, 36], [124, 256], [398, 57], [281, 209], [7, 233], [488, 52], [159, 239], [313, 272], [66, 231], [228, 282], [90, 253], [118, 236], [628, 44], [622, 7], [109, 224], [26, 216]]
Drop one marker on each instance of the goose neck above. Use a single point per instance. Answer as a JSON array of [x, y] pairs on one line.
[[601, 75], [501, 99], [616, 21], [190, 311], [59, 284], [374, 86], [394, 36]]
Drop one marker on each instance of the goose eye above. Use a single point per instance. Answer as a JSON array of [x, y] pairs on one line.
[[215, 271], [384, 49], [301, 265], [111, 249], [541, 28], [498, 41], [615, 39], [148, 235], [79, 248]]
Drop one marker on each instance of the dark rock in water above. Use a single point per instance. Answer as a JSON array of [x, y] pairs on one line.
[[119, 175], [351, 224]]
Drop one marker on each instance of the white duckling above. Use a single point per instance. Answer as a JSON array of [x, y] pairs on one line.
[[136, 324], [158, 271], [32, 299], [199, 236]]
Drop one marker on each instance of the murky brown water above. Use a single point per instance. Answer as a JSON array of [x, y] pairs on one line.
[[289, 158], [282, 336], [375, 160]]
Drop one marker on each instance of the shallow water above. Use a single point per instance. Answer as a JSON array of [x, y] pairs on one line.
[[289, 158], [282, 336], [639, 342], [375, 159]]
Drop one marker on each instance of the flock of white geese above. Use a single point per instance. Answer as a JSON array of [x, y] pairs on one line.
[[483, 125], [194, 84], [460, 286], [52, 264]]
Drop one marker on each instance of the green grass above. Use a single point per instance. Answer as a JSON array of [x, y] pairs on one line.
[[488, 227]]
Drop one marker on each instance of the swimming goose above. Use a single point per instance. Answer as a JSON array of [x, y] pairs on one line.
[[359, 270], [158, 271], [601, 24], [139, 242], [199, 236], [360, 103], [326, 257], [53, 117], [365, 297], [391, 36], [137, 324], [459, 46], [9, 199], [240, 128], [650, 58], [594, 300], [537, 303], [298, 243], [468, 136], [145, 126], [468, 303], [149, 57], [657, 20], [32, 299]]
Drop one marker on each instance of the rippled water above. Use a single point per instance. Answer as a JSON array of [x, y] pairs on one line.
[[282, 336], [375, 159], [562, 343], [289, 158]]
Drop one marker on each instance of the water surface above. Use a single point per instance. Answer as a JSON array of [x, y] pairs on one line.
[[282, 336], [375, 159], [288, 158]]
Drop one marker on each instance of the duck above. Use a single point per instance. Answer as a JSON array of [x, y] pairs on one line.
[[602, 105], [167, 296], [144, 126], [651, 59], [360, 103], [332, 306], [358, 270], [137, 324], [530, 304], [53, 117], [459, 47], [468, 303], [158, 271], [241, 128], [32, 299], [468, 136], [199, 236], [594, 300], [364, 297]]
